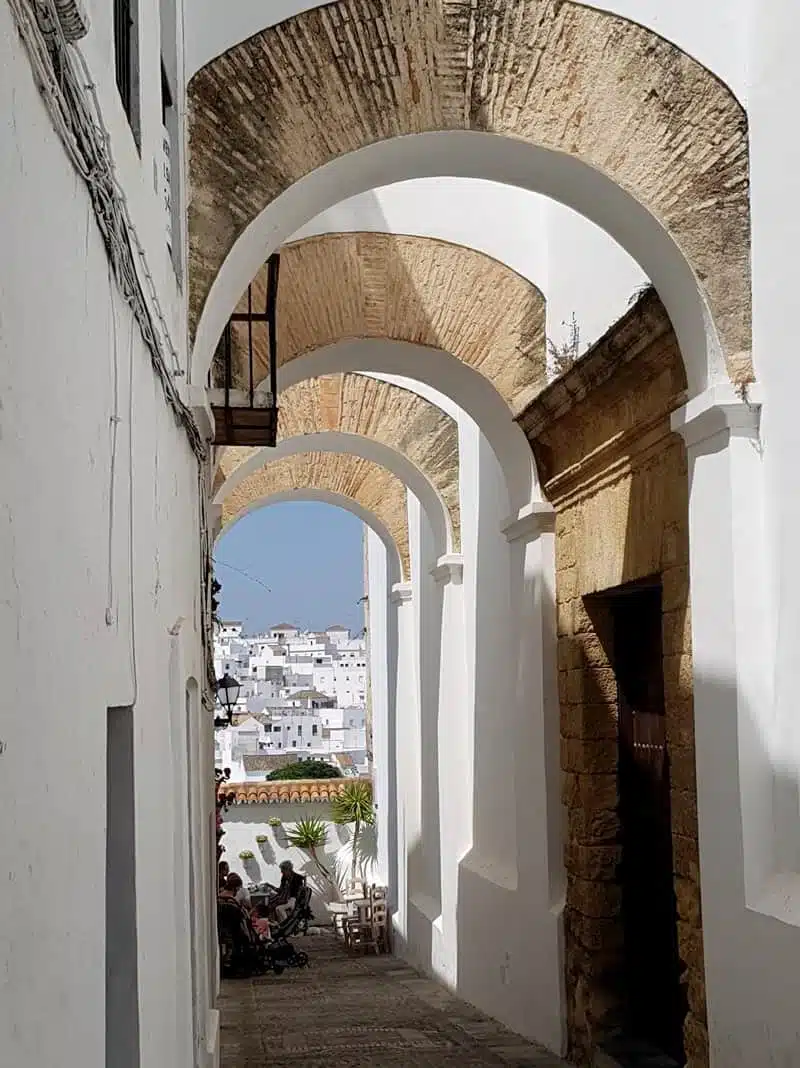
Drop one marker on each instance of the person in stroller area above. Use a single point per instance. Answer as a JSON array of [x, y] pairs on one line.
[[282, 903], [241, 946]]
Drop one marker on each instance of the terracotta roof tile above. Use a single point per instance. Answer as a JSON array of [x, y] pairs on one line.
[[292, 791]]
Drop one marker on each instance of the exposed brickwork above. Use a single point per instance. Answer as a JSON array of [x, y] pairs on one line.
[[357, 404], [550, 72], [373, 487], [618, 479], [415, 289]]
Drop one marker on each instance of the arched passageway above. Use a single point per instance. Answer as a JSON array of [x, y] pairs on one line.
[[603, 141], [383, 422], [355, 482]]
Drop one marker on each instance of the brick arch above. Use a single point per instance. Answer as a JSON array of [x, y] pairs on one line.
[[374, 489], [381, 411], [416, 289], [587, 86]]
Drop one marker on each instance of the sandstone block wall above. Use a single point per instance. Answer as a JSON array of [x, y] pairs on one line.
[[618, 479]]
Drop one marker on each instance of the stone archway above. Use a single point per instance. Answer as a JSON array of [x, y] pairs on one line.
[[605, 103], [348, 405], [420, 290], [374, 490]]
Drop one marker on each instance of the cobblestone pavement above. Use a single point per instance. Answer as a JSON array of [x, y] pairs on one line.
[[360, 1012]]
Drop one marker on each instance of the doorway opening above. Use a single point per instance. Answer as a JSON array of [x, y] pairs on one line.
[[652, 994]]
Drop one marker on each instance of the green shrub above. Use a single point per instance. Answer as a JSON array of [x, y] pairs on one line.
[[305, 769]]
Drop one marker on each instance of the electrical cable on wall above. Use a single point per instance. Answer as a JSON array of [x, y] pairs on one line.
[[70, 94], [67, 86]]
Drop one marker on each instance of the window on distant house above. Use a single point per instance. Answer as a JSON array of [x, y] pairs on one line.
[[126, 61], [294, 745], [314, 728], [299, 728]]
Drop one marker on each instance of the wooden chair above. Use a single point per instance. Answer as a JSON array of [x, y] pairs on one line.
[[368, 929]]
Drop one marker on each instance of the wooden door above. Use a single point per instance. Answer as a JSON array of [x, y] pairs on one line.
[[653, 994]]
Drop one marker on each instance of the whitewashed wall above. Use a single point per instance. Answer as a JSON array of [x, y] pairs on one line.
[[244, 823], [74, 572]]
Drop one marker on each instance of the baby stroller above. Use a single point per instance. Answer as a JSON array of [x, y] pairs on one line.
[[242, 952], [280, 951]]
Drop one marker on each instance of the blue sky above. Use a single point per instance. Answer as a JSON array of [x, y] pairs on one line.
[[308, 554]]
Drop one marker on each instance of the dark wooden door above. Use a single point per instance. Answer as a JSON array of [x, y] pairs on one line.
[[654, 997]]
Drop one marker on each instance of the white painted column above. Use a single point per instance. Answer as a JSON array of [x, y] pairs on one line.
[[536, 963], [455, 783], [383, 751], [424, 860], [746, 761], [406, 725]]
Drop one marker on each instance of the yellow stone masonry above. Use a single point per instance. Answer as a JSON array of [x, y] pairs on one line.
[[362, 481], [357, 404], [552, 73]]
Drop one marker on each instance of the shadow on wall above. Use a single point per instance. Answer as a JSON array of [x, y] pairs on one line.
[[248, 830]]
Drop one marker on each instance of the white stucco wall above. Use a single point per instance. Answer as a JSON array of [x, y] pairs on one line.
[[243, 823], [90, 591]]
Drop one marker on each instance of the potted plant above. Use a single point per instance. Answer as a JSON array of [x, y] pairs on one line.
[[353, 805], [261, 838], [273, 821], [246, 854], [310, 835]]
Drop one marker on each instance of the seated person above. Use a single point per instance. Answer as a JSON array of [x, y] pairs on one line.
[[224, 872], [260, 921], [282, 903], [236, 888]]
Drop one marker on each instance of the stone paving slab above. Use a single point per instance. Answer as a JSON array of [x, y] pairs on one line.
[[361, 1012]]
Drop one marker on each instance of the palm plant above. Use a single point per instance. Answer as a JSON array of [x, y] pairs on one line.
[[353, 805], [310, 835]]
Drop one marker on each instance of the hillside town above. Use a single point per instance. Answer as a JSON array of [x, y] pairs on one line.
[[302, 695]]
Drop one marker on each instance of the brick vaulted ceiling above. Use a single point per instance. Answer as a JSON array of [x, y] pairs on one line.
[[552, 73], [367, 484], [416, 289], [388, 414]]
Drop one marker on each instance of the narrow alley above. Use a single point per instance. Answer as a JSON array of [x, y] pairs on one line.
[[360, 1011]]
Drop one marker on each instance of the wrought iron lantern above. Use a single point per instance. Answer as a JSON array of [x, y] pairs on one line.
[[227, 695], [248, 416]]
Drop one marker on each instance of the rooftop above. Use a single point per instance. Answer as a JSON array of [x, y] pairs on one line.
[[265, 762], [291, 791]]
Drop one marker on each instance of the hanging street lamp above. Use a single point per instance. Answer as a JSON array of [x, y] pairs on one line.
[[227, 695]]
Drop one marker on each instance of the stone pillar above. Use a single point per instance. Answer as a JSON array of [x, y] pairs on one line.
[[731, 650], [407, 742], [424, 872], [455, 768], [539, 966], [382, 726]]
